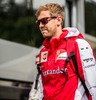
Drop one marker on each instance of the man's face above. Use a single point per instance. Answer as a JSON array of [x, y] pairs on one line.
[[48, 26]]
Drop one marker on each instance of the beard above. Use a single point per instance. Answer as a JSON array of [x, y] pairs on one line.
[[47, 32]]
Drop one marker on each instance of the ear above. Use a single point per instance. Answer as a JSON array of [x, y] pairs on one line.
[[59, 19]]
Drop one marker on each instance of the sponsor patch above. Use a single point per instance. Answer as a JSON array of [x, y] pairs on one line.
[[44, 56], [61, 55], [55, 71]]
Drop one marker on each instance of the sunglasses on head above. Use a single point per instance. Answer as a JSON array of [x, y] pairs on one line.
[[44, 20]]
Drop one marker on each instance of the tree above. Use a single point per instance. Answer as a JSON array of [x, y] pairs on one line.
[[90, 18], [18, 24]]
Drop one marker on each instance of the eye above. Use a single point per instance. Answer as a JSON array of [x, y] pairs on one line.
[[44, 21]]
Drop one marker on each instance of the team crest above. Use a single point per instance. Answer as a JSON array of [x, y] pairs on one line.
[[44, 56], [61, 54]]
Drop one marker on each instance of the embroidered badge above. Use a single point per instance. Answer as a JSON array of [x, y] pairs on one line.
[[61, 54], [44, 56]]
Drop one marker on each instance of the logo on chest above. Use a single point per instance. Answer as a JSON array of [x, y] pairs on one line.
[[61, 54], [44, 56]]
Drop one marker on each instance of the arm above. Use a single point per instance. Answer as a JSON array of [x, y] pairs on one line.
[[85, 59], [36, 94]]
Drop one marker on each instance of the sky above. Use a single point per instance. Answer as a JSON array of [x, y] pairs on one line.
[[19, 1], [38, 3]]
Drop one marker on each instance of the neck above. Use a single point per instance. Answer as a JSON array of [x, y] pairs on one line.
[[57, 33]]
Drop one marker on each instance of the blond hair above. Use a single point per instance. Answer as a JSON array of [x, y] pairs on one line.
[[54, 9]]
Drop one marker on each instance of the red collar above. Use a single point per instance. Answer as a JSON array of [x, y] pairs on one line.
[[54, 43]]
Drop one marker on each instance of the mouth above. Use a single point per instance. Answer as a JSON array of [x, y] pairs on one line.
[[43, 30]]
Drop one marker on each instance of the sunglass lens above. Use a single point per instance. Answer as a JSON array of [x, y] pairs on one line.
[[43, 21]]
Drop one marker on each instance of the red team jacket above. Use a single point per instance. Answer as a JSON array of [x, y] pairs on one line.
[[60, 82]]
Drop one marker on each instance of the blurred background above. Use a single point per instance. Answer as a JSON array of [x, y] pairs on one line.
[[21, 40]]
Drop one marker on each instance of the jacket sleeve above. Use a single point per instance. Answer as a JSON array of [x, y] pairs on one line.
[[36, 94], [87, 63]]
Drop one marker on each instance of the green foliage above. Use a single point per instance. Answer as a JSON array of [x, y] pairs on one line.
[[17, 24], [22, 30]]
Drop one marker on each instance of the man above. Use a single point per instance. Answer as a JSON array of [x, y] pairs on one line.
[[59, 78]]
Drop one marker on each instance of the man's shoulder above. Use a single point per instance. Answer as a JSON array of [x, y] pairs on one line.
[[42, 49]]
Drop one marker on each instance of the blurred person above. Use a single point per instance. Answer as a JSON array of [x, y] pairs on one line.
[[37, 89], [37, 59], [67, 62]]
